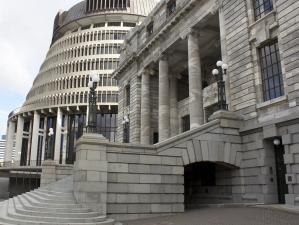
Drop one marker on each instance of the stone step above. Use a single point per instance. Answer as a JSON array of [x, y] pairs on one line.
[[14, 204], [54, 205], [53, 196], [59, 188], [78, 214], [58, 194], [49, 200], [28, 206], [10, 221], [49, 205]]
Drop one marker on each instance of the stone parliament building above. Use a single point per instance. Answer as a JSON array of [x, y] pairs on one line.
[[174, 148]]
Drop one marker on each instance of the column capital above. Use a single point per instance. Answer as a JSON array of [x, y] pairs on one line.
[[163, 56], [193, 32], [188, 32], [143, 71]]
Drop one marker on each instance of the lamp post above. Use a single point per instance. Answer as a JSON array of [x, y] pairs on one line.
[[218, 73], [92, 114], [126, 122], [49, 154]]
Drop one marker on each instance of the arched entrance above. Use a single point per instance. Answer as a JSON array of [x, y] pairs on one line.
[[207, 183]]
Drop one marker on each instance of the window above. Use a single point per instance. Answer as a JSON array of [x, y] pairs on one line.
[[26, 127], [85, 28], [126, 133], [183, 86], [271, 71], [99, 25], [114, 24], [150, 29], [128, 93], [186, 123], [126, 24], [262, 7], [155, 137], [41, 123], [171, 6]]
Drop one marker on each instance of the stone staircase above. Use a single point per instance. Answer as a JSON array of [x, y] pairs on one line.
[[51, 205]]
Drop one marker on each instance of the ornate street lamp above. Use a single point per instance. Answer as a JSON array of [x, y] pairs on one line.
[[92, 115], [49, 152], [126, 124], [218, 73]]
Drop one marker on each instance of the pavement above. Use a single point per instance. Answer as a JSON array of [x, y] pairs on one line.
[[226, 216]]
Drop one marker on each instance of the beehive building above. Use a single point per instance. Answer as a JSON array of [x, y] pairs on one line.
[[86, 40]]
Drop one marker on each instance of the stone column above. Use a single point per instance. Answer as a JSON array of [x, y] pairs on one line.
[[90, 172], [48, 175], [44, 139], [224, 53], [35, 133], [174, 120], [65, 132], [145, 136], [19, 138], [195, 82], [58, 136], [9, 141], [164, 116]]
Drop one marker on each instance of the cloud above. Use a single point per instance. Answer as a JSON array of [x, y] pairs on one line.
[[3, 118], [15, 76]]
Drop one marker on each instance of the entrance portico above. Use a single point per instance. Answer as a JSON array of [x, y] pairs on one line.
[[177, 85]]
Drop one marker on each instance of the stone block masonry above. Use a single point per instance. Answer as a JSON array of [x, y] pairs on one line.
[[140, 185], [52, 172], [127, 181]]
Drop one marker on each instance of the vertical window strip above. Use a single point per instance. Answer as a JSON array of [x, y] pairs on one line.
[[271, 71]]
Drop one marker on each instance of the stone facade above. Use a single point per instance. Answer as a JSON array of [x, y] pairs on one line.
[[172, 54]]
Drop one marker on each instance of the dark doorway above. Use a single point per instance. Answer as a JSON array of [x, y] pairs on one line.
[[207, 183], [282, 187]]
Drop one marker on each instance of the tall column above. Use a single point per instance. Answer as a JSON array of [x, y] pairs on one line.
[[65, 139], [174, 120], [35, 132], [224, 53], [45, 139], [145, 137], [19, 138], [163, 99], [9, 141], [195, 82], [58, 135]]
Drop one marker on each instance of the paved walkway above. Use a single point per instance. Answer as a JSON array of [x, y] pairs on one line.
[[224, 216]]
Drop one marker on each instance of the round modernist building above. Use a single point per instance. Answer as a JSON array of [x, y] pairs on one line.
[[87, 40]]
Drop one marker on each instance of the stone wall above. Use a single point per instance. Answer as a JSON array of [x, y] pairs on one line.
[[127, 181], [258, 168], [241, 74], [287, 16], [143, 185], [52, 172], [290, 140]]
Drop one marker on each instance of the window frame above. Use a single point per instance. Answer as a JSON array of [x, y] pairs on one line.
[[262, 12], [171, 7], [270, 67]]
